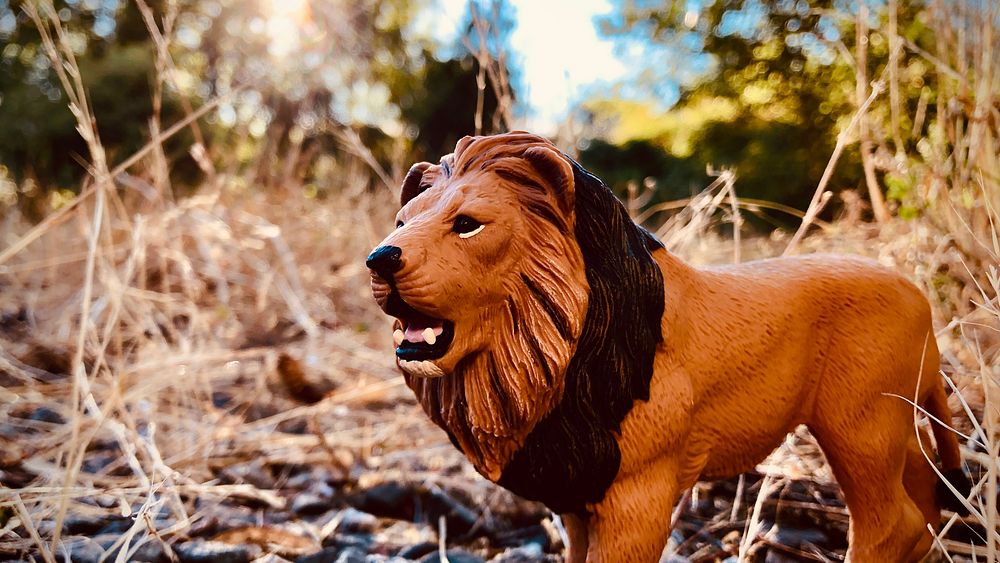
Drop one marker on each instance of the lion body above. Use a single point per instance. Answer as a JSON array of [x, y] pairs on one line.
[[772, 344], [584, 366], [750, 352]]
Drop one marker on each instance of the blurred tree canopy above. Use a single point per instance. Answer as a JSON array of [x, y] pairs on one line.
[[759, 86], [315, 82], [38, 138], [310, 89]]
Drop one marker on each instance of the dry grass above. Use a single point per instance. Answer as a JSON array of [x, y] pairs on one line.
[[139, 336]]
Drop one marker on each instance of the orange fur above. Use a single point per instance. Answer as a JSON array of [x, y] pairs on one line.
[[753, 351], [748, 352]]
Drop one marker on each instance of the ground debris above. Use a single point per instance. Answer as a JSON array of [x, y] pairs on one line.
[[272, 425]]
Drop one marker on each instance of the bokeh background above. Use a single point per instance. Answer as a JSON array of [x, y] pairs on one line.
[[191, 364]]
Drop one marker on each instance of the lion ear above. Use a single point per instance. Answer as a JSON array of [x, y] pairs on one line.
[[463, 144], [411, 184], [556, 170]]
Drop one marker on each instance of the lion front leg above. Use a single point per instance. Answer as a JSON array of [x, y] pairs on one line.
[[576, 532], [632, 523]]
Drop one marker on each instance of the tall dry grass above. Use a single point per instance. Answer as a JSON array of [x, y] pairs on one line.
[[127, 318]]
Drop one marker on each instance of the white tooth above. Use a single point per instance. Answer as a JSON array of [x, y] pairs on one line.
[[397, 336], [429, 336]]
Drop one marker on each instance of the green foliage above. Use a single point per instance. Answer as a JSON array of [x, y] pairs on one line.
[[772, 67], [900, 188], [304, 73], [443, 108], [774, 160], [637, 160], [38, 137]]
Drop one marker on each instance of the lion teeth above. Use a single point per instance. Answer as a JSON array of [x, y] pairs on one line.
[[429, 336], [397, 336]]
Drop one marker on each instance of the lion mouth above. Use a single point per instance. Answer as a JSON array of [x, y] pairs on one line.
[[422, 337], [423, 340]]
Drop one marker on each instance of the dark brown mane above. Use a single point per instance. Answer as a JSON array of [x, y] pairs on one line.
[[494, 398], [572, 457]]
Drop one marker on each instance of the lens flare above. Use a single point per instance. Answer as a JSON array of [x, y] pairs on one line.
[[287, 20]]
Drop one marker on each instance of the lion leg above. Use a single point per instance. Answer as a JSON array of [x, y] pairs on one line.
[[576, 532], [868, 457], [920, 479], [632, 523]]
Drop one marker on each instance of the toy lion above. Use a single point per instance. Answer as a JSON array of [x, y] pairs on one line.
[[576, 362]]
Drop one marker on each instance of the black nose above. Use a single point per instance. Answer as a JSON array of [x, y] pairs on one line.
[[385, 261]]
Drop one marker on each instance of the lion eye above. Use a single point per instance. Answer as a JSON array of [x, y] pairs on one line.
[[399, 224], [466, 226]]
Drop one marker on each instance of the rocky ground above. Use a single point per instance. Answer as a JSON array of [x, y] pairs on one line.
[[315, 514], [311, 491], [247, 430]]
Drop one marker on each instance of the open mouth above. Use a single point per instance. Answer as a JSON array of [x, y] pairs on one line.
[[422, 337]]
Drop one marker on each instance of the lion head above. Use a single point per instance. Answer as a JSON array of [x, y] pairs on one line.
[[524, 299]]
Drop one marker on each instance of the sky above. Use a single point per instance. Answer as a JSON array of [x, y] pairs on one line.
[[559, 52]]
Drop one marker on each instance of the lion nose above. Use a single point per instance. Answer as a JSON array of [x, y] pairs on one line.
[[385, 261]]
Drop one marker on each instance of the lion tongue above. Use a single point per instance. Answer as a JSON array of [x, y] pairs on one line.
[[418, 332]]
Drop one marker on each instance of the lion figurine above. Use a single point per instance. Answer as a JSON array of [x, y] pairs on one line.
[[576, 362]]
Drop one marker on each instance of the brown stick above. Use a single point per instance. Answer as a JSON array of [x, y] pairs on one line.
[[861, 78], [816, 205]]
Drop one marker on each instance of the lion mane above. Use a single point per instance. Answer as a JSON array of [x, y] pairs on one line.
[[572, 348]]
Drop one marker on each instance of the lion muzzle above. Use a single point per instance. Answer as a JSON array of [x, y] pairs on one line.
[[385, 261], [418, 337]]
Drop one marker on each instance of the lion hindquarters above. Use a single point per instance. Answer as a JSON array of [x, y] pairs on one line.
[[881, 339], [882, 355], [869, 447]]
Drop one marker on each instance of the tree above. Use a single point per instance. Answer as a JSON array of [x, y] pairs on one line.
[[39, 144], [471, 85], [780, 73], [299, 80]]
